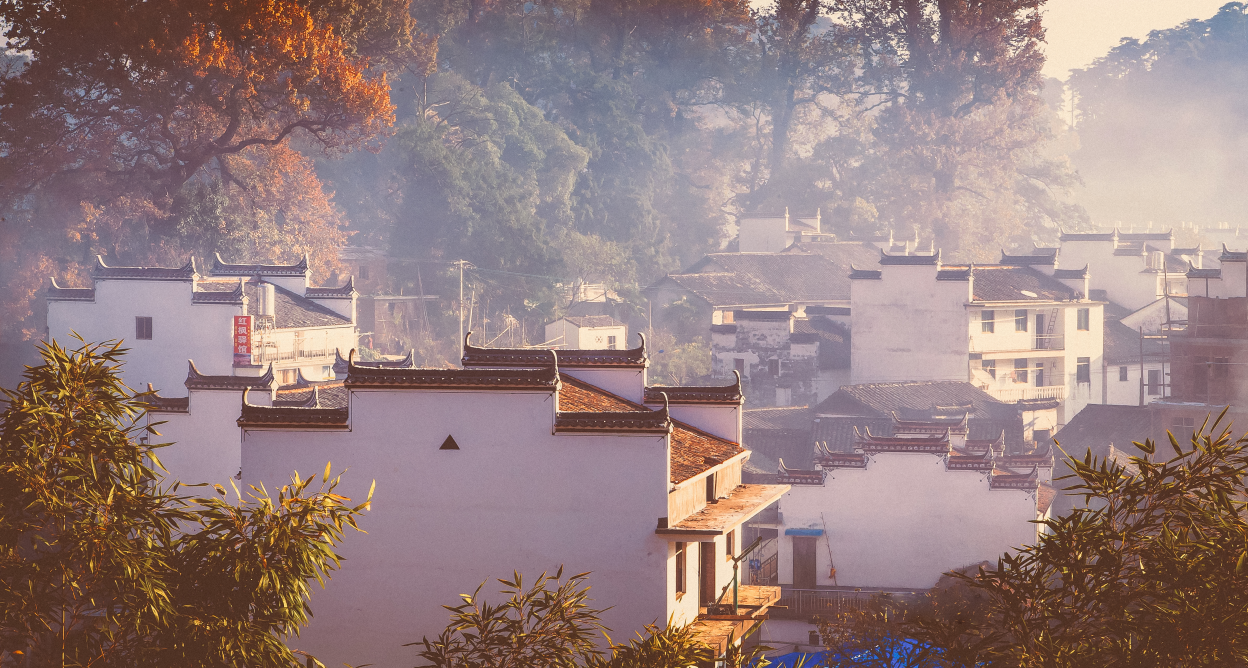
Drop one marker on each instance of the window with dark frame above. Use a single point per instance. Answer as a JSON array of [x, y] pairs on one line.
[[989, 367], [1083, 369], [1122, 373], [987, 321], [681, 568], [1020, 320], [143, 327], [1083, 320], [1020, 371]]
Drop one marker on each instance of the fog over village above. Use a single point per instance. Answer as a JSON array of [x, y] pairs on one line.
[[628, 333]]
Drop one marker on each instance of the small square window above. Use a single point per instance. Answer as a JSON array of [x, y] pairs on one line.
[[987, 321], [1083, 369], [1083, 319], [1020, 320], [1122, 373], [143, 328]]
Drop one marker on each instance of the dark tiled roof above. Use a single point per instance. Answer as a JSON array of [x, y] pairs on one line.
[[999, 283], [1193, 272], [807, 272], [184, 273], [198, 381], [882, 400], [645, 422], [218, 292], [871, 443], [856, 274], [158, 404], [57, 293], [1168, 235], [790, 417], [1045, 494], [1232, 256], [1012, 480], [695, 394], [1084, 236], [593, 321], [346, 291], [531, 357], [1130, 250], [762, 316], [222, 268], [931, 260], [723, 329], [1071, 273], [489, 379], [1101, 429], [954, 274], [1195, 250], [327, 394], [293, 417], [827, 310], [1028, 260], [340, 363], [291, 310]]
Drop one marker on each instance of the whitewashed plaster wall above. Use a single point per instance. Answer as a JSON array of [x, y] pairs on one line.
[[1127, 392], [1152, 318], [1122, 277], [903, 522], [909, 326], [181, 330], [514, 497], [206, 441], [627, 383], [764, 235]]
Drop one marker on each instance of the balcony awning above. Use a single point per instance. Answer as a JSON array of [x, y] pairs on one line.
[[720, 631], [717, 519]]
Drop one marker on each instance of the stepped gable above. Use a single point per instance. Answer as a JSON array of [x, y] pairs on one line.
[[324, 394], [695, 394], [222, 268], [1168, 235], [693, 450], [967, 460], [953, 273], [1041, 458], [872, 444], [788, 476], [475, 357], [1000, 283], [1071, 274], [340, 363], [932, 421], [346, 291], [915, 260], [158, 404], [102, 271], [1009, 479], [293, 310], [541, 379], [198, 381], [1229, 255], [1093, 236], [296, 417], [1046, 260], [218, 292], [856, 274], [59, 294], [1193, 272], [984, 444], [825, 458]]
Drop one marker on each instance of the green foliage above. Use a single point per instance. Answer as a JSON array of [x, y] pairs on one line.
[[101, 565], [550, 623], [677, 363], [1150, 572]]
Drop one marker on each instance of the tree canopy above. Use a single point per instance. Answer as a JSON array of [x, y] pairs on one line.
[[103, 564]]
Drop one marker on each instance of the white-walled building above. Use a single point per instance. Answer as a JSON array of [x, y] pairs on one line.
[[1021, 329], [511, 463], [1133, 268], [586, 332], [901, 511], [166, 316]]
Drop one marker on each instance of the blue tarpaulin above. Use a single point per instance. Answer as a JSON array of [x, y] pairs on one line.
[[843, 658], [803, 532]]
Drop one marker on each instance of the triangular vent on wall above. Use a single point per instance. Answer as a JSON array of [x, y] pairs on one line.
[[449, 444]]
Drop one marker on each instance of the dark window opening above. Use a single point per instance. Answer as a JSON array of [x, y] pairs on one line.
[[681, 550], [143, 328], [1083, 319], [1122, 373], [1083, 369], [710, 488], [1154, 382], [987, 321], [706, 574]]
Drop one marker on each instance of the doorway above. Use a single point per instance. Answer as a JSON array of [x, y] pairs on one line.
[[706, 574], [803, 562]]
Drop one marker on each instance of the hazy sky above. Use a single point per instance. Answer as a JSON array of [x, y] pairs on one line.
[[1079, 31]]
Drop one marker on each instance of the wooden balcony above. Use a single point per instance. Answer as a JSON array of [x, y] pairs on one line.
[[720, 631]]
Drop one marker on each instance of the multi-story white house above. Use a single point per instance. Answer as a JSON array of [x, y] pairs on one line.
[[523, 460], [1133, 268], [166, 316], [1022, 329], [586, 332]]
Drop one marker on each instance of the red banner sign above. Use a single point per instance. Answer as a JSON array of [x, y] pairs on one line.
[[242, 339]]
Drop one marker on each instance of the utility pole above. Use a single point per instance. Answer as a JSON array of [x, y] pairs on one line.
[[461, 310]]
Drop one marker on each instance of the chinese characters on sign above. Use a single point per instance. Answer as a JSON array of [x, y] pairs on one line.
[[242, 340]]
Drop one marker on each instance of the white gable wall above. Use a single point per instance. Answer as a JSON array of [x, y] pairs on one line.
[[513, 497], [181, 330], [207, 443], [903, 522]]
